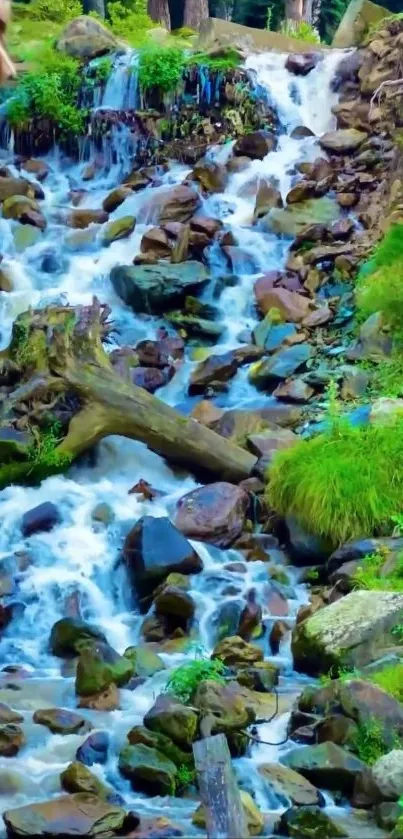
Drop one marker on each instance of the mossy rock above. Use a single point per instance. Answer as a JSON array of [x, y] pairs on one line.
[[69, 636], [120, 228], [163, 744], [225, 704], [261, 676], [78, 778], [170, 717], [326, 765], [310, 823], [292, 220], [235, 650], [145, 661], [99, 667], [148, 770]]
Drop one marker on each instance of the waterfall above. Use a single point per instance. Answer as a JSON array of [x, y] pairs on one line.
[[121, 91]]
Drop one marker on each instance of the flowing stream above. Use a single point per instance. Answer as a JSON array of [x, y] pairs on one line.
[[79, 558]]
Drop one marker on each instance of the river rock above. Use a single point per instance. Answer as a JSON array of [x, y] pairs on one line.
[[301, 131], [225, 704], [176, 605], [255, 145], [79, 815], [99, 667], [163, 744], [94, 749], [120, 228], [77, 778], [145, 661], [349, 633], [150, 379], [360, 548], [209, 227], [61, 721], [156, 242], [301, 191], [262, 676], [326, 765], [11, 740], [268, 197], [212, 177], [387, 775], [254, 818], [214, 513], [296, 390], [215, 368], [40, 519], [279, 366], [301, 65], [155, 288], [36, 167], [343, 141], [291, 220], [153, 549], [288, 785], [86, 38], [15, 186], [271, 336], [116, 198], [25, 210], [7, 715], [235, 651], [175, 720], [80, 219], [70, 635], [292, 306], [237, 425], [148, 770], [178, 203], [309, 823]]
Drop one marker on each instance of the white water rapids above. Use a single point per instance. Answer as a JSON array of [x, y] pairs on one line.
[[78, 557]]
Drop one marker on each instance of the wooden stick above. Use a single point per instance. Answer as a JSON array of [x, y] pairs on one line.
[[225, 815]]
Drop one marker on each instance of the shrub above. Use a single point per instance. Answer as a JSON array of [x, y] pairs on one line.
[[58, 11], [160, 67], [301, 31], [344, 483], [129, 21], [220, 64], [184, 680]]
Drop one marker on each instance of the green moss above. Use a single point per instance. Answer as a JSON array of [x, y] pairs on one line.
[[185, 679], [344, 483], [390, 679], [185, 776]]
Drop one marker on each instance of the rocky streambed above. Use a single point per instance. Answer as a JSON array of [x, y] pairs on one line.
[[225, 289]]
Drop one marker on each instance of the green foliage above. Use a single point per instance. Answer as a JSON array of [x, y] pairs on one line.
[[382, 291], [58, 11], [185, 776], [301, 31], [312, 576], [340, 674], [102, 70], [222, 64], [44, 453], [129, 20], [184, 32], [390, 679], [369, 742], [344, 483], [330, 15], [369, 575], [50, 92], [185, 679], [161, 68]]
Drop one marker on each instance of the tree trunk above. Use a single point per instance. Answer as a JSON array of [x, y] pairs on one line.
[[97, 6], [65, 372], [159, 11], [196, 11], [293, 10], [307, 10]]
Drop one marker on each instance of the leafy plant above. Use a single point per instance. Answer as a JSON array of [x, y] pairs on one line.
[[390, 679], [369, 742], [58, 11], [184, 680], [301, 31], [185, 776], [219, 64], [344, 483], [102, 70], [160, 67], [369, 575], [129, 20]]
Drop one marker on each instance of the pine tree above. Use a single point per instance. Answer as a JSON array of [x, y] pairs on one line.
[[158, 10]]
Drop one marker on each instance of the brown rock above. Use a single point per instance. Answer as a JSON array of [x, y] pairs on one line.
[[156, 242], [238, 164], [347, 199], [215, 368], [108, 700], [61, 721], [255, 145], [83, 218], [7, 715], [214, 513], [36, 167], [205, 224], [116, 198], [301, 192], [295, 390], [79, 815], [271, 440], [318, 317], [178, 203], [293, 306], [235, 650], [206, 412], [11, 740], [279, 631], [301, 65], [212, 177], [267, 197], [15, 186], [276, 603]]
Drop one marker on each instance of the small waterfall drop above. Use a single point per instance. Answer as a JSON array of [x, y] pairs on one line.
[[121, 91]]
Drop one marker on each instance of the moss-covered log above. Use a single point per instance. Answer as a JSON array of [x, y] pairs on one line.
[[63, 396]]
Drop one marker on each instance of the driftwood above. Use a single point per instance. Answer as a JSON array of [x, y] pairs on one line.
[[225, 815], [63, 370]]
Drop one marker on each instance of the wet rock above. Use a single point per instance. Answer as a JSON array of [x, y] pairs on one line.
[[347, 199], [80, 219], [86, 38], [276, 602], [15, 186], [238, 425], [104, 700], [268, 442], [288, 785], [254, 818], [150, 379], [155, 288], [291, 221], [148, 770], [7, 715], [261, 676], [69, 636], [11, 740], [295, 390], [206, 412], [205, 225], [236, 651], [225, 706], [255, 145], [145, 661], [99, 667], [78, 815], [309, 823], [156, 242], [61, 721], [279, 366], [25, 210], [82, 240], [36, 167], [292, 306], [103, 514], [250, 618], [301, 65], [120, 228], [301, 192], [279, 632], [170, 717], [271, 336], [387, 775], [268, 197], [301, 131], [348, 633], [94, 749], [343, 141], [40, 519], [155, 548], [141, 735], [318, 318], [215, 368], [178, 203], [326, 765], [116, 198], [176, 605], [77, 778], [212, 177], [214, 513]]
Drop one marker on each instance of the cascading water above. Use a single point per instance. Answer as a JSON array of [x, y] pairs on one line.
[[78, 558], [121, 91]]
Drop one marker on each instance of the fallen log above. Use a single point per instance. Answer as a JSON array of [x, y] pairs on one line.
[[225, 815], [63, 371]]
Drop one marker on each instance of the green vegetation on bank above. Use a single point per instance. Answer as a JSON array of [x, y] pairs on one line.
[[302, 31], [373, 573], [184, 680], [160, 68]]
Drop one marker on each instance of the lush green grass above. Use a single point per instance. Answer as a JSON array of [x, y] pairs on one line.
[[344, 483], [390, 679], [368, 576], [185, 679], [382, 291], [222, 64], [369, 743], [58, 11]]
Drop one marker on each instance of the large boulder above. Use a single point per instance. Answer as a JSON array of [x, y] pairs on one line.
[[170, 717], [145, 661], [61, 721], [215, 368], [25, 210], [156, 288], [255, 145], [225, 705], [211, 176], [178, 203], [215, 513], [292, 219], [153, 549], [94, 749], [10, 187], [280, 366], [99, 667], [162, 743], [387, 775], [11, 740], [293, 307], [77, 778], [301, 65], [326, 765], [40, 519], [148, 770], [70, 815], [69, 636], [347, 634], [86, 38], [310, 823], [120, 228], [288, 785], [343, 141]]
